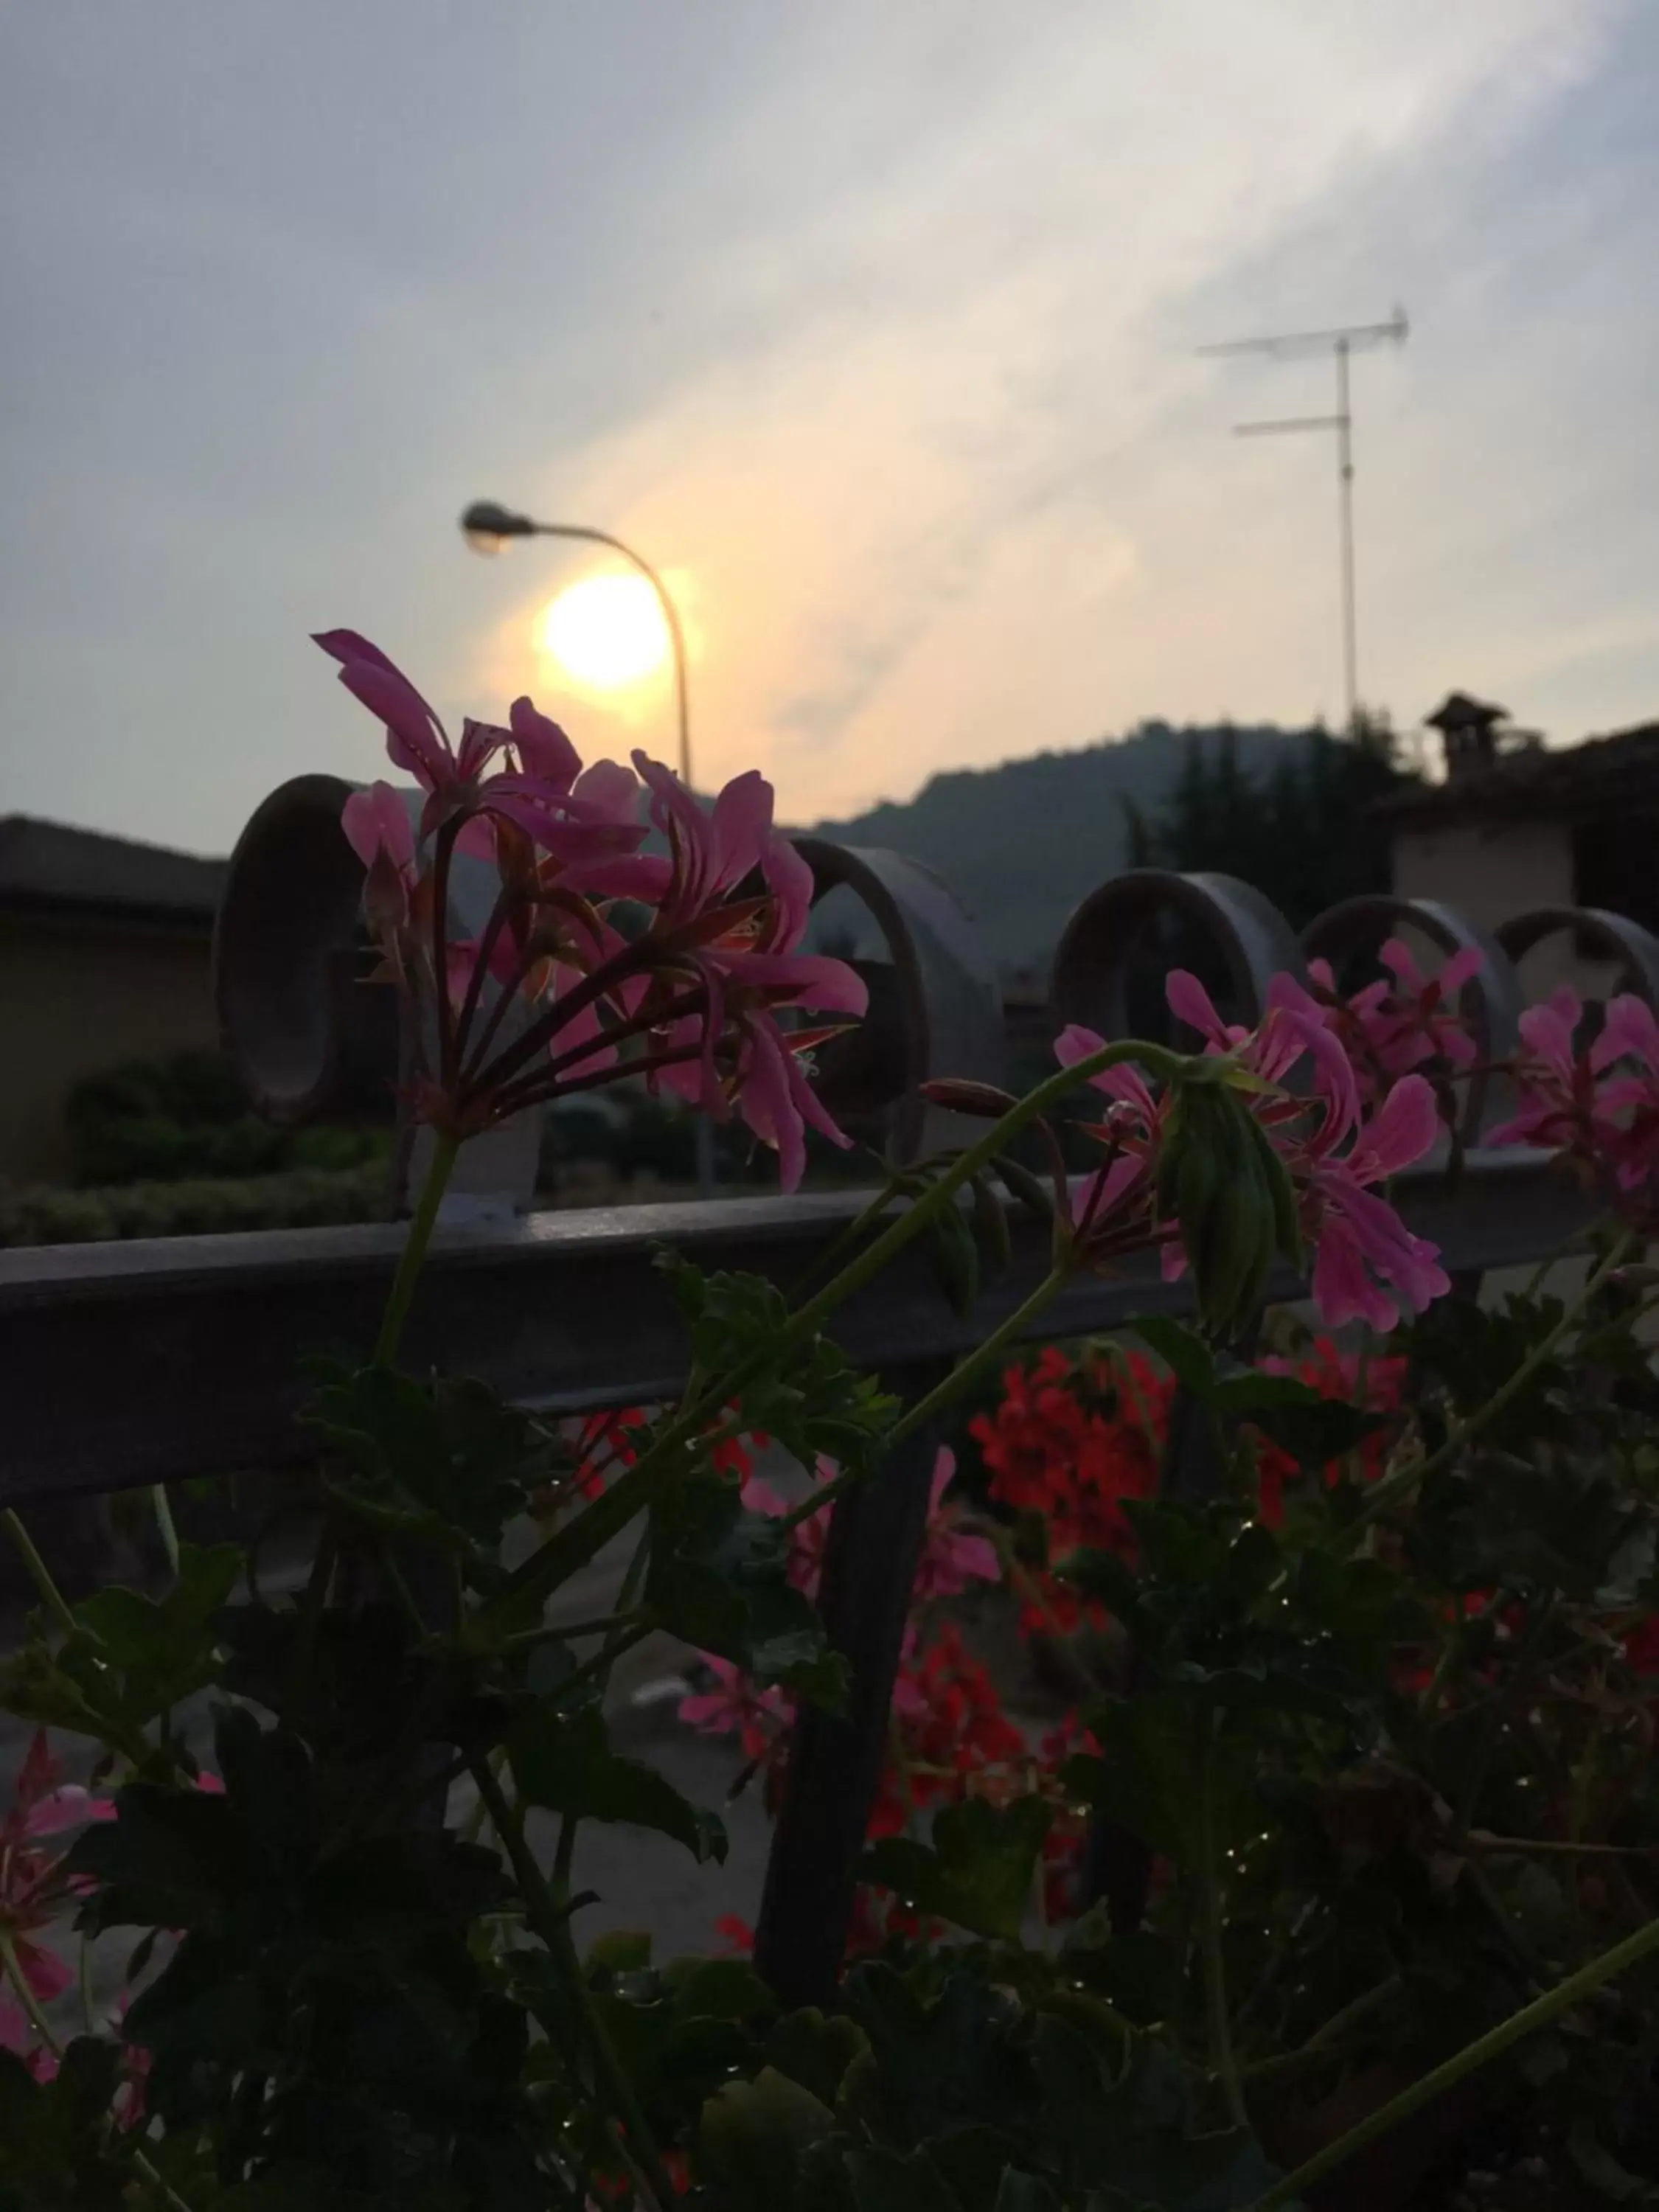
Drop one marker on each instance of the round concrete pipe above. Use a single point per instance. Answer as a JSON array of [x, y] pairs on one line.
[[288, 955]]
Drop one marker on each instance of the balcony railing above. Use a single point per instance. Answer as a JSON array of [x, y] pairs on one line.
[[132, 1363]]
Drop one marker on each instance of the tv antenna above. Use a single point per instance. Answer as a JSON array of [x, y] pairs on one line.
[[1351, 339]]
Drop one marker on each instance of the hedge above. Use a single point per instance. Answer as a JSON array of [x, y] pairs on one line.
[[298, 1198]]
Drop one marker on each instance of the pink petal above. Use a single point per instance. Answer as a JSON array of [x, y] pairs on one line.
[[671, 804], [1191, 1003], [44, 1971], [544, 751], [1403, 1128], [1628, 1032], [974, 1557], [759, 1496], [945, 1469], [70, 1806], [1342, 1290], [741, 825], [1397, 957], [810, 1108], [1125, 1082], [1462, 968], [1108, 1186], [1547, 1030], [811, 979], [767, 1105], [1074, 1043], [415, 739], [791, 883], [609, 789], [377, 820]]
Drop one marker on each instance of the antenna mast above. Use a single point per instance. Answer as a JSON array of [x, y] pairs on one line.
[[1341, 343]]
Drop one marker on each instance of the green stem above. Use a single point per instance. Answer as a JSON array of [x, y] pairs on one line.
[[1403, 1479], [385, 1348], [1461, 2064], [572, 1547], [1321, 2041], [164, 1522], [543, 1912], [1222, 2062], [40, 1575], [414, 1252], [551, 1630]]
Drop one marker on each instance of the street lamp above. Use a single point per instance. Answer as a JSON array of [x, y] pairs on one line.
[[488, 527]]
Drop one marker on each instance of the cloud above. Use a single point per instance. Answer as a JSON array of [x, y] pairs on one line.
[[872, 327]]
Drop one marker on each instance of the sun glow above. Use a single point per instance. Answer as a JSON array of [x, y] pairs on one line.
[[607, 631]]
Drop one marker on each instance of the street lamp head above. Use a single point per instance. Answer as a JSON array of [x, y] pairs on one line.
[[487, 525]]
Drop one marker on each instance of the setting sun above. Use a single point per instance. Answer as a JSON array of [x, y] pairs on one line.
[[607, 631]]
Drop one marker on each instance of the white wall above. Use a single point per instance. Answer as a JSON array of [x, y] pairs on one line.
[[1492, 871]]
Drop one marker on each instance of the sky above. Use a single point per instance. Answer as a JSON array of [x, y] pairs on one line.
[[874, 327]]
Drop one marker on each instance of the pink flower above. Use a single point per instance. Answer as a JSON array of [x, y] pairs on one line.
[[806, 1538], [1392, 1026], [1362, 1250], [1293, 1026], [45, 1804], [746, 961], [1366, 1263], [756, 1717], [32, 1885], [1599, 1106], [576, 818], [950, 1558], [698, 1000], [1119, 1192]]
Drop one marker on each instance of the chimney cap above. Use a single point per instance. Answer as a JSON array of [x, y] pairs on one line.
[[1458, 711]]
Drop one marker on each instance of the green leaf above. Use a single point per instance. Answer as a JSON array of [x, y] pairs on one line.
[[132, 1658], [979, 1869], [815, 2050], [888, 2181], [1025, 2192], [1145, 1779], [719, 1989], [812, 1400], [940, 2057], [564, 1763], [719, 1578], [751, 2136], [1182, 1351], [1131, 2138], [1313, 1429], [442, 1461], [1252, 1393], [56, 2154], [973, 2160]]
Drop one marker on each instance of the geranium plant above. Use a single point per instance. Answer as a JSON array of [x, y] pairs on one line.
[[358, 1977]]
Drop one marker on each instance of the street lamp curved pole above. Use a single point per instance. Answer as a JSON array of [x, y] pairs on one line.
[[488, 526]]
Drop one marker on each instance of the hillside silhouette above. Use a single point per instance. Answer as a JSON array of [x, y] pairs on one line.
[[1021, 843]]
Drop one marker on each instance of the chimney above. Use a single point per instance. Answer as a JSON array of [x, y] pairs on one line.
[[1468, 732]]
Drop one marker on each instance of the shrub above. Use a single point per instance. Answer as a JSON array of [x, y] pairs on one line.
[[296, 1198], [186, 1117]]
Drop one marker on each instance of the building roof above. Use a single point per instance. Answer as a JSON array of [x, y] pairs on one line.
[[50, 867], [1613, 774]]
